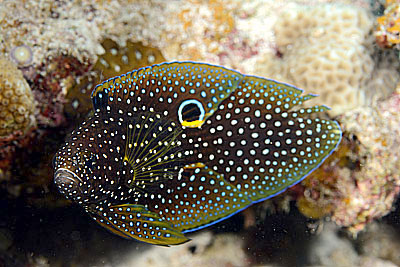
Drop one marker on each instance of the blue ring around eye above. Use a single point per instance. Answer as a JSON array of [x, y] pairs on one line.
[[188, 102]]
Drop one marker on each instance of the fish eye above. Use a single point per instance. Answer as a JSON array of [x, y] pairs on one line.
[[191, 110]]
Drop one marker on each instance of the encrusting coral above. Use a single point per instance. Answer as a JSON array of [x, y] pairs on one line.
[[361, 181], [17, 113], [17, 106], [324, 49], [388, 26]]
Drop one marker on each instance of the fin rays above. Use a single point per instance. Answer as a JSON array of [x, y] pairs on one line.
[[152, 149]]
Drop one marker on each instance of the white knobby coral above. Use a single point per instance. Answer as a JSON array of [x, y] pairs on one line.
[[325, 49]]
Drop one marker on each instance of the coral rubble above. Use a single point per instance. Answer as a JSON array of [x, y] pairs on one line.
[[360, 182]]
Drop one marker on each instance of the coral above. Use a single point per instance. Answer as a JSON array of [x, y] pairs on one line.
[[388, 28], [377, 247], [214, 22], [321, 23], [188, 30], [320, 189], [17, 107], [53, 28], [377, 184], [381, 241], [205, 249], [226, 32], [217, 31], [360, 181], [324, 49], [22, 55], [385, 77], [50, 85], [76, 30], [329, 249]]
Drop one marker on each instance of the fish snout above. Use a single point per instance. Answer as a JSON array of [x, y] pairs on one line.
[[67, 182]]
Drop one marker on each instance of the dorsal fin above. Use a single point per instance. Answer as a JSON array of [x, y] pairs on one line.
[[194, 90]]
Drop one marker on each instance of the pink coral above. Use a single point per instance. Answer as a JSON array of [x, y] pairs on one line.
[[372, 191], [360, 182]]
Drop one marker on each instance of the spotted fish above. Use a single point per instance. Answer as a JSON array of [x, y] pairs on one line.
[[175, 147]]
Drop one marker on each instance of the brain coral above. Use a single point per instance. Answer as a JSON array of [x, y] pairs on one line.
[[16, 100], [324, 49]]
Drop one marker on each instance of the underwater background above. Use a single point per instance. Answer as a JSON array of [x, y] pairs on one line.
[[345, 213]]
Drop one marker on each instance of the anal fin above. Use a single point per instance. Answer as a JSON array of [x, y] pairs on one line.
[[137, 222], [197, 198]]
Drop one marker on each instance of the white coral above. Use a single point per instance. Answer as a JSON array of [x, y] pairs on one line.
[[326, 50]]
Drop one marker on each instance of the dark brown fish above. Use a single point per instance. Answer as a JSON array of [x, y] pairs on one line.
[[175, 147]]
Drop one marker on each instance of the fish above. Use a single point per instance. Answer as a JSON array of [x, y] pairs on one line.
[[175, 147], [116, 59]]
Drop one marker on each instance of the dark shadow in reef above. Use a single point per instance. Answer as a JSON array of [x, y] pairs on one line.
[[282, 239], [64, 236], [393, 218]]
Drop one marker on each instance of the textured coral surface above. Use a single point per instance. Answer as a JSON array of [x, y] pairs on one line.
[[388, 28], [17, 106], [361, 181], [326, 49]]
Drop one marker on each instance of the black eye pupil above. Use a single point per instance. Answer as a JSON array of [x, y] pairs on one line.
[[190, 112]]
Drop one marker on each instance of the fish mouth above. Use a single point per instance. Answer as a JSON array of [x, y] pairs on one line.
[[66, 179]]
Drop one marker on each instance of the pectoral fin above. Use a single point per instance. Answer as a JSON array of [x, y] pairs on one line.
[[137, 222]]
